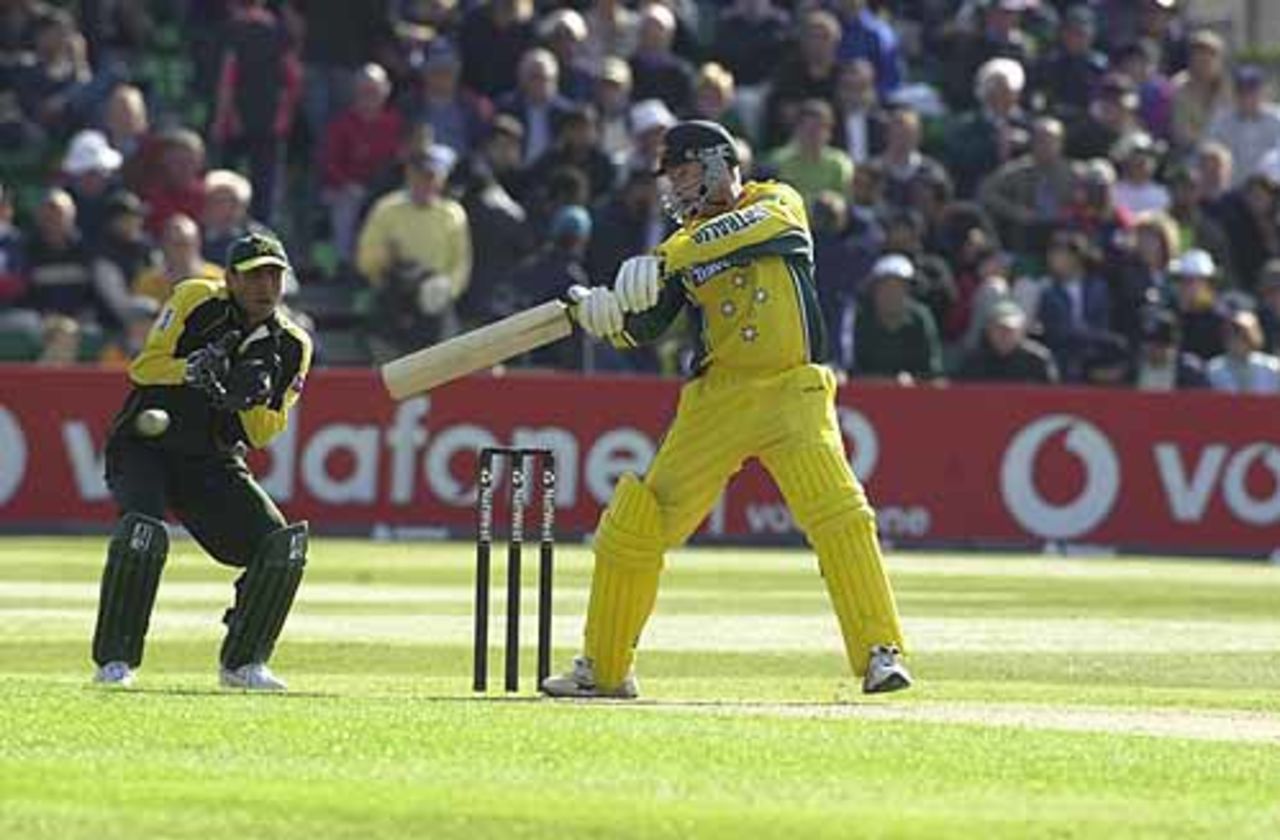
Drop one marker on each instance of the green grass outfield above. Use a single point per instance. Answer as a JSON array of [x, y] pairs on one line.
[[1057, 698]]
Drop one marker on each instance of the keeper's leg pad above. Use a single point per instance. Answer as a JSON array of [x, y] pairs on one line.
[[628, 549], [135, 558], [264, 595], [831, 508]]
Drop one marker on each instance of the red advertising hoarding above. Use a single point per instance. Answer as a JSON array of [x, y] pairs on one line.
[[982, 466]]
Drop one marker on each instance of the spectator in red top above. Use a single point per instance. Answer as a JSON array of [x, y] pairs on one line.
[[359, 143], [178, 183], [1093, 209], [258, 93]]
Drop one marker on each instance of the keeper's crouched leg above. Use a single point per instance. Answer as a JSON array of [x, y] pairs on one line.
[[264, 595], [829, 505], [135, 559], [628, 550]]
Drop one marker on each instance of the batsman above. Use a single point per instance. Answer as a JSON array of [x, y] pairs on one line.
[[218, 374], [741, 264]]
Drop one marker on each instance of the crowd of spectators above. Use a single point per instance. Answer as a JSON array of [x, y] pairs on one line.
[[1078, 191]]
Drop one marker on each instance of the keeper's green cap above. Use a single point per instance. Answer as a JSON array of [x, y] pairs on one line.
[[254, 250]]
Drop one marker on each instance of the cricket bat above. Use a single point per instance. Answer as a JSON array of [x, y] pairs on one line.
[[481, 348]]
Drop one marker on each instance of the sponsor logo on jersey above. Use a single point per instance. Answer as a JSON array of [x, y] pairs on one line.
[[729, 224], [700, 274]]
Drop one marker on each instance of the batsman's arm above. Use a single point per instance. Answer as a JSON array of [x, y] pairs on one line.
[[261, 423], [646, 327], [157, 362]]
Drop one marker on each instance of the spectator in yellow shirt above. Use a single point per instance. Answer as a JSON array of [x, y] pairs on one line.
[[415, 250]]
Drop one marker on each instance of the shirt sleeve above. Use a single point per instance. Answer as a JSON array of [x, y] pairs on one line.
[[262, 423], [647, 327], [372, 253], [460, 271], [158, 363]]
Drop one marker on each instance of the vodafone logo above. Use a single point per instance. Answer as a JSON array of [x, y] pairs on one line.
[[864, 444], [1091, 505], [13, 455]]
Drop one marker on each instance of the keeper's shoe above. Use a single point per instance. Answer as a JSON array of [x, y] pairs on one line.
[[114, 673], [255, 676], [581, 683], [885, 671]]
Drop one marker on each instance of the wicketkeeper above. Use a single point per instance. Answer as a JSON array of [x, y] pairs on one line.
[[742, 265], [218, 374]]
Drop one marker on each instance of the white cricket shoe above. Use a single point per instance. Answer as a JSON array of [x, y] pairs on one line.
[[885, 671], [581, 682], [114, 673], [255, 676]]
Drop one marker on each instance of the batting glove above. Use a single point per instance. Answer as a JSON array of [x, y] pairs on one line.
[[638, 282], [600, 312]]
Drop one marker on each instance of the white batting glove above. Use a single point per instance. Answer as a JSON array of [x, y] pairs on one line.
[[638, 282], [434, 294], [600, 312]]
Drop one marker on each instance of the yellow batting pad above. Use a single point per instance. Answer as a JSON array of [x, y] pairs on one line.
[[850, 560], [830, 506], [628, 549]]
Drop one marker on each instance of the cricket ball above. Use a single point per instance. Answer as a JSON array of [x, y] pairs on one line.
[[152, 422]]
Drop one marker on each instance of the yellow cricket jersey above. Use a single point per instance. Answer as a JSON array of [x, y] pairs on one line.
[[747, 278], [200, 312]]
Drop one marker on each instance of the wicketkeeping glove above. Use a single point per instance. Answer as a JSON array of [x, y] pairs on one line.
[[208, 367], [249, 383]]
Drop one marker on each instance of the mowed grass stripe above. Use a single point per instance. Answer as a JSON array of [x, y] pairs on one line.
[[717, 581], [992, 595], [731, 633], [1241, 680], [1196, 725], [321, 765], [1037, 681], [676, 598]]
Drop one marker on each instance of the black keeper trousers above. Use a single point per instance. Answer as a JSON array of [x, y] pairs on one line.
[[213, 495]]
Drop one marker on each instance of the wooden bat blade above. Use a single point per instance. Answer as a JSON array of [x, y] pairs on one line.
[[481, 348]]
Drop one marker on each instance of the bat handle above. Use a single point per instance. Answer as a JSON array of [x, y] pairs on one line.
[[576, 294]]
